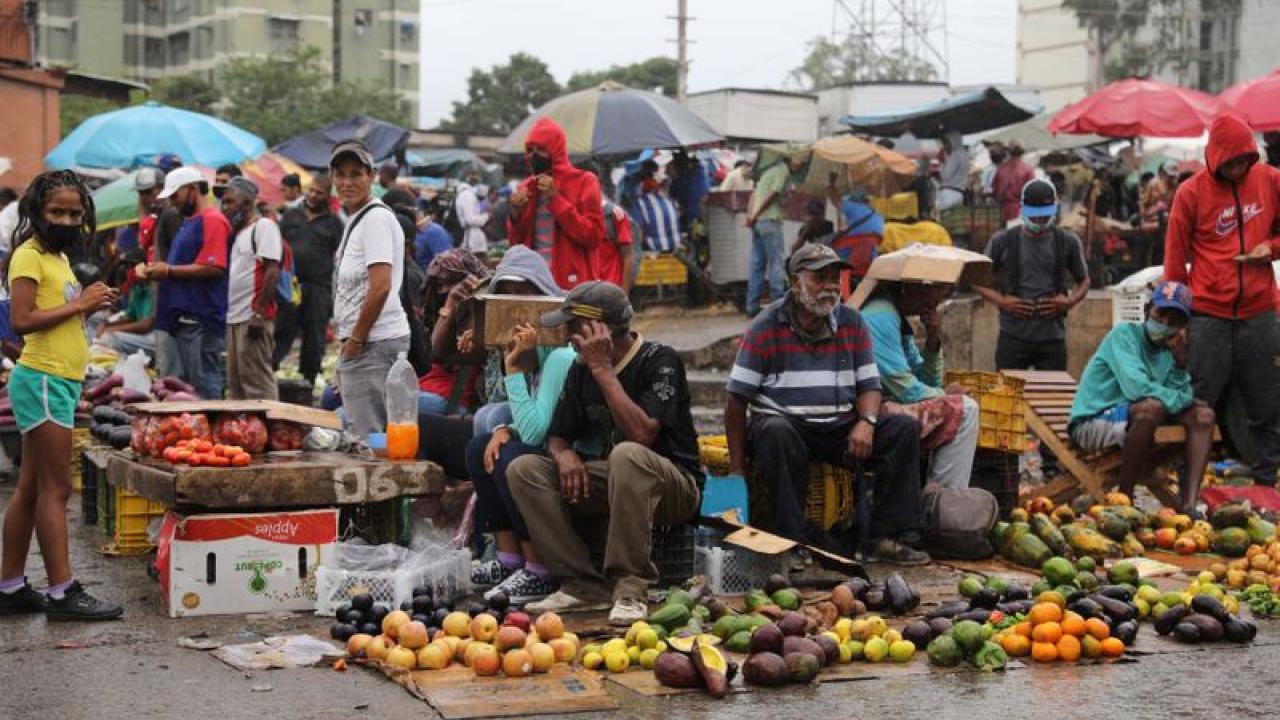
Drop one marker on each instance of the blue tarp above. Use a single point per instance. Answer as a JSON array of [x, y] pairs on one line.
[[311, 150], [442, 162], [969, 113]]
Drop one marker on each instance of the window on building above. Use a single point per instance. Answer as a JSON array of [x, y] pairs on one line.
[[406, 76], [180, 48], [408, 32], [154, 50], [283, 30], [363, 21]]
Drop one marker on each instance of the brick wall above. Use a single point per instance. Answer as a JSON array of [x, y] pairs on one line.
[[31, 128]]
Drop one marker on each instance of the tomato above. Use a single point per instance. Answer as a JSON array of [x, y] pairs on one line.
[[232, 451], [184, 456], [240, 460], [217, 461], [171, 455], [204, 446]]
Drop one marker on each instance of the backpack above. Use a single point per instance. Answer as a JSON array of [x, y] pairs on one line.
[[958, 521], [1012, 270], [288, 289]]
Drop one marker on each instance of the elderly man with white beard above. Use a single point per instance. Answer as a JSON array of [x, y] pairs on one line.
[[806, 370]]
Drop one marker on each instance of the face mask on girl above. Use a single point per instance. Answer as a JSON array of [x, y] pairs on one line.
[[57, 238], [1158, 332]]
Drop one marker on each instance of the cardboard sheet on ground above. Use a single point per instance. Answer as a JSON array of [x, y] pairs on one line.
[[760, 541], [456, 692], [286, 651]]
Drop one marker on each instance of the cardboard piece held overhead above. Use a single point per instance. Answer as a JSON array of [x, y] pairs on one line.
[[497, 315], [926, 264]]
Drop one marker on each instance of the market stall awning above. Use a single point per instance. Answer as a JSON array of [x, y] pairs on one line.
[[441, 162], [311, 150], [855, 163], [613, 119], [1137, 107], [1258, 100], [128, 137], [1034, 135], [969, 113]]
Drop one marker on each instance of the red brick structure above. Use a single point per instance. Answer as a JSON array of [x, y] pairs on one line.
[[30, 98]]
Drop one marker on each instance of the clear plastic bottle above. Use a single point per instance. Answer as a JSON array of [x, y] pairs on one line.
[[402, 410]]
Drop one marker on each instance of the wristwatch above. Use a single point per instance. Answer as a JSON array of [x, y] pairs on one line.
[[871, 420]]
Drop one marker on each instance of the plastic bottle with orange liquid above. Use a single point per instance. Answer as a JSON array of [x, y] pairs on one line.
[[402, 410]]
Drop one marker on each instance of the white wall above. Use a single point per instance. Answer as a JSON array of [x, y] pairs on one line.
[[871, 99], [1259, 49], [758, 115], [1053, 53]]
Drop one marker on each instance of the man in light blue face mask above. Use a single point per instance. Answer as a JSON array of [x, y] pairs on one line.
[[1042, 275], [1135, 382]]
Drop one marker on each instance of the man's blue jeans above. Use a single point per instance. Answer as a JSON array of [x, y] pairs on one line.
[[199, 352], [766, 262]]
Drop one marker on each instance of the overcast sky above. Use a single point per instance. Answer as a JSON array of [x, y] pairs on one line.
[[742, 43]]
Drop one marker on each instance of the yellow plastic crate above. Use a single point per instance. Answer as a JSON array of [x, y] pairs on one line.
[[81, 440], [133, 515], [661, 270], [713, 451], [1003, 418], [901, 206], [831, 495]]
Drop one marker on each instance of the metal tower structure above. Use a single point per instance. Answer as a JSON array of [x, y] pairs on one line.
[[913, 30]]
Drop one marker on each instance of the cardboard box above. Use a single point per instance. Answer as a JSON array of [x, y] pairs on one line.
[[498, 314], [229, 564], [270, 409]]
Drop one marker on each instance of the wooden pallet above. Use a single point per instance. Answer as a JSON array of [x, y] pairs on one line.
[[1049, 395]]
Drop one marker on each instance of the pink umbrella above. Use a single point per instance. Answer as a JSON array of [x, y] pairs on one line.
[[1258, 100], [1140, 108]]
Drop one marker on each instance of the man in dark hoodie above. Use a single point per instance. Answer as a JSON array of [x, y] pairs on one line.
[[1223, 225], [557, 210]]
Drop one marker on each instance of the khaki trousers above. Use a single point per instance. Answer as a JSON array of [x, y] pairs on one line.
[[249, 372], [636, 488]]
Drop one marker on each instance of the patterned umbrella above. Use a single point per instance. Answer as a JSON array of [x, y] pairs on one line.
[[613, 119], [267, 170], [856, 163]]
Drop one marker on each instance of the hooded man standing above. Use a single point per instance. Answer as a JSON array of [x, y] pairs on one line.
[[557, 211], [1034, 262], [1223, 225]]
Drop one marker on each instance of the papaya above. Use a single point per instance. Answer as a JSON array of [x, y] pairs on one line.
[[1230, 515], [998, 531], [1131, 546], [1087, 541], [1047, 531], [1113, 525], [1012, 535], [1132, 515], [670, 616], [1260, 531], [1030, 551], [1063, 514], [681, 596], [1232, 542]]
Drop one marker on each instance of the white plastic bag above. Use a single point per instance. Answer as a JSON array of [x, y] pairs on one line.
[[134, 373]]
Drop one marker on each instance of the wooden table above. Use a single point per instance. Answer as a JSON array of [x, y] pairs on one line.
[[298, 480]]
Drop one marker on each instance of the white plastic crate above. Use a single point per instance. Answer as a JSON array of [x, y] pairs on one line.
[[735, 571], [1129, 306], [448, 577]]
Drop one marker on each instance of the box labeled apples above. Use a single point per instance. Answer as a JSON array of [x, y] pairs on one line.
[[243, 562]]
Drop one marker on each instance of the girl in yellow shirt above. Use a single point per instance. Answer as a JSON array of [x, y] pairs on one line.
[[48, 309]]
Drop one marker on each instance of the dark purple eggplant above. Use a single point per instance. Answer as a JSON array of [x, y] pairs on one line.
[[947, 611], [1078, 594], [1116, 592], [1186, 632], [859, 586], [1086, 608], [875, 599], [985, 599], [941, 625], [1209, 605], [1210, 629], [1239, 630], [978, 616], [918, 632], [1171, 618], [1115, 609], [1126, 632], [1014, 592], [899, 595], [1015, 607]]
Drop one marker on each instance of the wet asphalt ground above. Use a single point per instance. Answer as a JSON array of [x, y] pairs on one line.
[[135, 669]]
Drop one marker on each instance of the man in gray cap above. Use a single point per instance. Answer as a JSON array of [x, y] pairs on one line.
[[256, 252], [806, 370], [622, 445]]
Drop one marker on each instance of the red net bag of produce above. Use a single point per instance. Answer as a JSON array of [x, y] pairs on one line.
[[243, 430], [284, 435], [153, 433]]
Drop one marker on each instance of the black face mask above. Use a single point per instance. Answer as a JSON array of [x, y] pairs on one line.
[[187, 208], [57, 238], [539, 164]]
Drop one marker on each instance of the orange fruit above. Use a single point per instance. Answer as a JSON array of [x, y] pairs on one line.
[[1112, 647], [1097, 628], [1023, 628], [1015, 645], [1044, 652], [1069, 648], [1091, 647], [1049, 632], [1043, 612], [1052, 596], [1073, 624]]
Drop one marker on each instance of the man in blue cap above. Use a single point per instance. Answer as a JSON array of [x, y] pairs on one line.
[[1035, 262], [1134, 382]]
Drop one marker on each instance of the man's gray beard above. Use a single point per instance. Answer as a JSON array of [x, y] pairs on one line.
[[822, 305]]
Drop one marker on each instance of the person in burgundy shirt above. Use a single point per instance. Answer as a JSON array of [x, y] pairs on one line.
[[1010, 178]]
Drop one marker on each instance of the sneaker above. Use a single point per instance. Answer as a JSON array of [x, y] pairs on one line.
[[26, 600], [524, 587], [562, 602], [627, 611], [489, 573], [76, 604], [896, 553]]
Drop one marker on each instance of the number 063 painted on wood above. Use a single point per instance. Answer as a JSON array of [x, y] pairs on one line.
[[383, 481]]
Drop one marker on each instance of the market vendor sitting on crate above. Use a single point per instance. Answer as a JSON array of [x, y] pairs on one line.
[[1136, 381], [913, 379], [806, 370], [621, 445]]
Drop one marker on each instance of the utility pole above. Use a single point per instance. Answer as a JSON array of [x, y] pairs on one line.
[[682, 55]]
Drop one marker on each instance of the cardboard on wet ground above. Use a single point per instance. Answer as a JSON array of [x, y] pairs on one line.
[[457, 692]]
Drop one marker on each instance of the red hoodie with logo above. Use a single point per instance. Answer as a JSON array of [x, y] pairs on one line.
[[576, 207], [1213, 221]]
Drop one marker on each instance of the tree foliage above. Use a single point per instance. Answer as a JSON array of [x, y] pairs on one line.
[[189, 92], [499, 98], [277, 99], [75, 109], [855, 59], [657, 74]]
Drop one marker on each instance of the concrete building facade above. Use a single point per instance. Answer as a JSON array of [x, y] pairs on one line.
[[147, 40]]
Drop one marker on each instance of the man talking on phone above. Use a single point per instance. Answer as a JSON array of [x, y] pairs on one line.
[[1223, 225]]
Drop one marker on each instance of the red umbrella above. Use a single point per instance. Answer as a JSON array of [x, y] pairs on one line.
[[1258, 100], [1140, 108]]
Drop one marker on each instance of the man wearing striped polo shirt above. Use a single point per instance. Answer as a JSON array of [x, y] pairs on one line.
[[806, 370]]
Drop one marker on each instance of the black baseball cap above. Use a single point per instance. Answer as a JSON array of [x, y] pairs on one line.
[[594, 300], [1039, 199], [813, 256], [354, 148]]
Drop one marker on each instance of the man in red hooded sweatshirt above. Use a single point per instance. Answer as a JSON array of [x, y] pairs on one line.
[[1223, 225], [557, 211]]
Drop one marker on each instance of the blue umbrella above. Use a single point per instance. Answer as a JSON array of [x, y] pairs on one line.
[[123, 138]]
